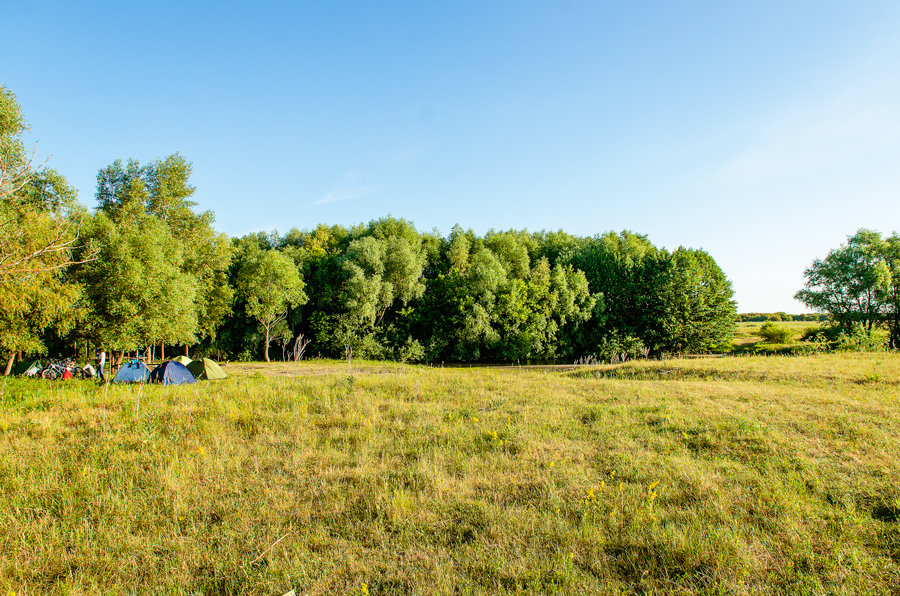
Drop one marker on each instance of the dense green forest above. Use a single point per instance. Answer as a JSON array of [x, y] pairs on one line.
[[145, 270]]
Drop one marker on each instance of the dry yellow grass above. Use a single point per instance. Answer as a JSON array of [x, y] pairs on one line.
[[726, 476]]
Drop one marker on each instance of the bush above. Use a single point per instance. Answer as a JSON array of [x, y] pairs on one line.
[[819, 334], [860, 341], [773, 334], [621, 347]]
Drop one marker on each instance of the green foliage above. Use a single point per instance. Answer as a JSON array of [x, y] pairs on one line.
[[779, 316], [858, 285], [163, 275], [40, 224], [850, 284], [269, 283], [773, 334], [696, 301], [162, 190], [137, 292]]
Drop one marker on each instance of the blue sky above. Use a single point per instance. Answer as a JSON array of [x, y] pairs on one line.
[[762, 132]]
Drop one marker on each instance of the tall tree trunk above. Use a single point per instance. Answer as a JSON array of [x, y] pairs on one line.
[[267, 343], [9, 363], [162, 352], [186, 355]]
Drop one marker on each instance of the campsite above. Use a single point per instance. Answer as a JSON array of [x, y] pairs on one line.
[[450, 298]]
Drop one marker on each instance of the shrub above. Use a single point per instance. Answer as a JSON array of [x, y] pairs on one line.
[[773, 334]]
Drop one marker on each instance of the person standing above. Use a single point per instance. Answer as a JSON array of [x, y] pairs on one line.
[[101, 364]]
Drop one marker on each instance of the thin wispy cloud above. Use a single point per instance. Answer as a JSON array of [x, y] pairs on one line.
[[348, 193], [858, 115], [810, 142]]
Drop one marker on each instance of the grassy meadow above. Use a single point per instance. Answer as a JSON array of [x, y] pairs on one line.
[[747, 338], [751, 475]]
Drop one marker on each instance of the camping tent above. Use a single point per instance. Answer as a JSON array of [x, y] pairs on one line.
[[171, 373], [29, 368], [182, 360], [206, 369], [133, 371]]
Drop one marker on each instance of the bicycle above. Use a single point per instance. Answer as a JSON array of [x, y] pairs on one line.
[[58, 368]]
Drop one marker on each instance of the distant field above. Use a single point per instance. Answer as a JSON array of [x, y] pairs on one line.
[[748, 333], [750, 475]]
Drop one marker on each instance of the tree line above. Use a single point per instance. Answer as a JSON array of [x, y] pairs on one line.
[[762, 317], [145, 271]]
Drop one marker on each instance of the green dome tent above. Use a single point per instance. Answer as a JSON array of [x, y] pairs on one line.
[[182, 360], [28, 368], [206, 369]]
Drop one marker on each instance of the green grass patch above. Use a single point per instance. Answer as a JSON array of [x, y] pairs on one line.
[[752, 475]]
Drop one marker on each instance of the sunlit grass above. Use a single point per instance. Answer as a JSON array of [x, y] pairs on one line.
[[733, 475]]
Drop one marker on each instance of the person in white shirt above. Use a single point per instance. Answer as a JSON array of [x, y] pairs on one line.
[[101, 364]]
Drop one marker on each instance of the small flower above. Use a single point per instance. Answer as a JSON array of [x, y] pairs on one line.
[[474, 418], [200, 450]]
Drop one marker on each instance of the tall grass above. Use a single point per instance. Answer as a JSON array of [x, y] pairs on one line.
[[728, 476]]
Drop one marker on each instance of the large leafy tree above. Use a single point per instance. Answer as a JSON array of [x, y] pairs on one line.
[[137, 291], [40, 223], [696, 310], [852, 283], [383, 272], [270, 284], [164, 194]]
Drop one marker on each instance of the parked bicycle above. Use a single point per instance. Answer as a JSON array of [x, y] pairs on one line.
[[58, 368]]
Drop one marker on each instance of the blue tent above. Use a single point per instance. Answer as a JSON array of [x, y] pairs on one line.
[[133, 371], [171, 373]]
